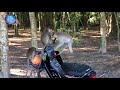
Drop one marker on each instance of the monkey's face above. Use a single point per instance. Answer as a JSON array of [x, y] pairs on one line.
[[31, 52], [51, 31]]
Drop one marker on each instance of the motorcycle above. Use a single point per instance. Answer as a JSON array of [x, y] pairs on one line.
[[53, 66]]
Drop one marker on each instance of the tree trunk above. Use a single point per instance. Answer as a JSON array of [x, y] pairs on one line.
[[54, 21], [16, 26], [19, 16], [4, 49], [118, 31], [16, 30], [103, 32], [68, 16], [113, 33], [33, 29], [63, 20], [108, 22], [39, 25], [85, 21]]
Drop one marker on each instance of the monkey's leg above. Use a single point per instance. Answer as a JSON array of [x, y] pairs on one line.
[[58, 46], [27, 67], [70, 47]]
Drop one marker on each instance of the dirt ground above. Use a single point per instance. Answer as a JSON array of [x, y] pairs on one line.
[[106, 65]]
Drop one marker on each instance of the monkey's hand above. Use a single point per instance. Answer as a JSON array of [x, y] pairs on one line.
[[54, 40]]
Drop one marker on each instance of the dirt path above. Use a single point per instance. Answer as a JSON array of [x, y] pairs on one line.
[[106, 65]]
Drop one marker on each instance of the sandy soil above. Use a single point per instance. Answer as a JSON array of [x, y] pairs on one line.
[[86, 52]]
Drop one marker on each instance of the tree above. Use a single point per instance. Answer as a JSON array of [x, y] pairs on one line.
[[4, 48], [113, 33], [109, 22], [33, 29], [85, 20], [103, 32], [39, 17], [118, 30], [63, 20], [16, 26]]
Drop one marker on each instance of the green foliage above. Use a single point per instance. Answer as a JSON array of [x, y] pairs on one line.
[[93, 18], [72, 20], [76, 38], [56, 24], [75, 17], [60, 29], [118, 17], [76, 41]]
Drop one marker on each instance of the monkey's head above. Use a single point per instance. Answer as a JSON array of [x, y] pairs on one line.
[[55, 34], [31, 52], [50, 30]]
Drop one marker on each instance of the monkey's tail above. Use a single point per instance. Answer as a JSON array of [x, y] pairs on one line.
[[27, 68]]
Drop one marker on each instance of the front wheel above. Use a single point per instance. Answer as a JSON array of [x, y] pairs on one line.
[[42, 73], [33, 73]]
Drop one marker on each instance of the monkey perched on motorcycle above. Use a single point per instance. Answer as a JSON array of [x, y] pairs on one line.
[[46, 37], [32, 59]]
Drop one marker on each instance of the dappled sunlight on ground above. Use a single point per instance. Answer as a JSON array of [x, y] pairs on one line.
[[106, 65], [17, 71], [86, 49]]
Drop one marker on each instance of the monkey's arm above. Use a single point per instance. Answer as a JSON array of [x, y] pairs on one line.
[[54, 40]]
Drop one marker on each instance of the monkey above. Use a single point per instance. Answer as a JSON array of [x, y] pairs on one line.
[[64, 39], [31, 52], [46, 37]]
